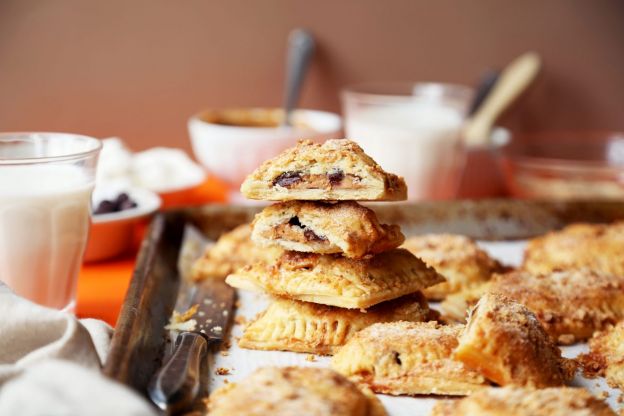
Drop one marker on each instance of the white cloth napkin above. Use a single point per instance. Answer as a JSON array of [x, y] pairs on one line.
[[50, 362]]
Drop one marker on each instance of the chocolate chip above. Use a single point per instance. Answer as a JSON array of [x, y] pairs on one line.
[[287, 179], [120, 203], [335, 177], [294, 221], [105, 207]]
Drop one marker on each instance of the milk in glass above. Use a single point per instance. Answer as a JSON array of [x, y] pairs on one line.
[[44, 222], [418, 140]]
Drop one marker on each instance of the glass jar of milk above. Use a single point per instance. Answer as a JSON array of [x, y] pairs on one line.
[[46, 180], [412, 130]]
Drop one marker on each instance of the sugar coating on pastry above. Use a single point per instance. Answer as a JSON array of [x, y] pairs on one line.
[[288, 391], [233, 250], [291, 325], [407, 358], [338, 281], [505, 342], [456, 257], [606, 356], [594, 246], [570, 304], [335, 170], [519, 401], [316, 227]]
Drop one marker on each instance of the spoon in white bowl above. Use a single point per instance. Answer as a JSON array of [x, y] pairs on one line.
[[514, 79], [299, 54]]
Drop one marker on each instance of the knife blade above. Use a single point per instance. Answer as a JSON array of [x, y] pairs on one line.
[[181, 380]]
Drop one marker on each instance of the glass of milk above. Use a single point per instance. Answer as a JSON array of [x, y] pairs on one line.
[[412, 130], [46, 180]]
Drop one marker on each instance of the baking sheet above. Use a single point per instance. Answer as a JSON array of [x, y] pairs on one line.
[[240, 362]]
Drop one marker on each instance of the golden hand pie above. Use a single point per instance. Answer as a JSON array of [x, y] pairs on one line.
[[456, 257], [338, 281], [407, 358], [325, 228], [571, 305], [505, 342], [292, 325], [456, 305], [335, 170], [288, 391], [518, 401], [606, 356], [233, 250], [598, 247]]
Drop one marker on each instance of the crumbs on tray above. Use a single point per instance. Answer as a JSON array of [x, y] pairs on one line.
[[183, 321]]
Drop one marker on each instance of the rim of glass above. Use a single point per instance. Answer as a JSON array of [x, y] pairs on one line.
[[95, 147], [366, 90]]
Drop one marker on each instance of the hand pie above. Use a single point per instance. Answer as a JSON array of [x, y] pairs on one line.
[[289, 391], [597, 247], [316, 227], [571, 305], [518, 401], [505, 342], [606, 356], [407, 358], [291, 325], [456, 305], [338, 281], [336, 170], [233, 250], [456, 257]]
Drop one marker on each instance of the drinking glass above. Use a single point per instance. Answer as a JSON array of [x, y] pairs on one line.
[[46, 180], [413, 130]]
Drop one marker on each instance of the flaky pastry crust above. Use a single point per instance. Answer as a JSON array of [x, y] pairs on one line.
[[233, 250], [288, 391], [338, 281], [334, 170], [504, 341], [598, 247], [407, 358], [518, 401], [315, 227], [291, 325], [456, 257], [571, 305], [606, 356]]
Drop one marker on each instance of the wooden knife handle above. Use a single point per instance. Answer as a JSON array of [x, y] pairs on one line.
[[177, 384]]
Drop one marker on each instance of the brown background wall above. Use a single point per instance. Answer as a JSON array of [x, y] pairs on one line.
[[139, 68]]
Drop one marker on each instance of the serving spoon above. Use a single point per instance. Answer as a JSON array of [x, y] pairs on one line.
[[514, 80], [298, 58]]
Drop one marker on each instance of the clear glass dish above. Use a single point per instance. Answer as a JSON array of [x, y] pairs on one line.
[[565, 165]]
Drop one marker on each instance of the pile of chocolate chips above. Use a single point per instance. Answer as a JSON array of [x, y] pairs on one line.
[[121, 203]]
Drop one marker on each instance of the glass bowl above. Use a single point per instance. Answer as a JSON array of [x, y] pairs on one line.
[[565, 165]]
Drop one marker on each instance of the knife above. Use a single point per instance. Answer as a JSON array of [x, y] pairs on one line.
[[181, 380]]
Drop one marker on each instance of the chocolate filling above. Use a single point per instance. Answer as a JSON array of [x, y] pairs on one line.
[[294, 221], [307, 233], [335, 177], [287, 179], [311, 235]]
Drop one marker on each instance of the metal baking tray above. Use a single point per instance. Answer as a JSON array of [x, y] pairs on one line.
[[140, 339]]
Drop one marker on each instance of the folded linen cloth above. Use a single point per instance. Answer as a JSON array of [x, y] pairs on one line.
[[50, 362]]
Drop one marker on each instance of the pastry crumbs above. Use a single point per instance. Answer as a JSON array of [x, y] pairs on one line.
[[222, 371]]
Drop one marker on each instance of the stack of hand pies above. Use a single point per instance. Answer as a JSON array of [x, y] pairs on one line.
[[340, 269]]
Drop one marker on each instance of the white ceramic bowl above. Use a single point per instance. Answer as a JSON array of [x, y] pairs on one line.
[[113, 234], [231, 152]]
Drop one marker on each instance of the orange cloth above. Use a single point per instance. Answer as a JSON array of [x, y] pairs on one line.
[[102, 286]]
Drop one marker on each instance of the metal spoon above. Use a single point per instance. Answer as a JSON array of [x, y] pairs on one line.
[[300, 50]]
